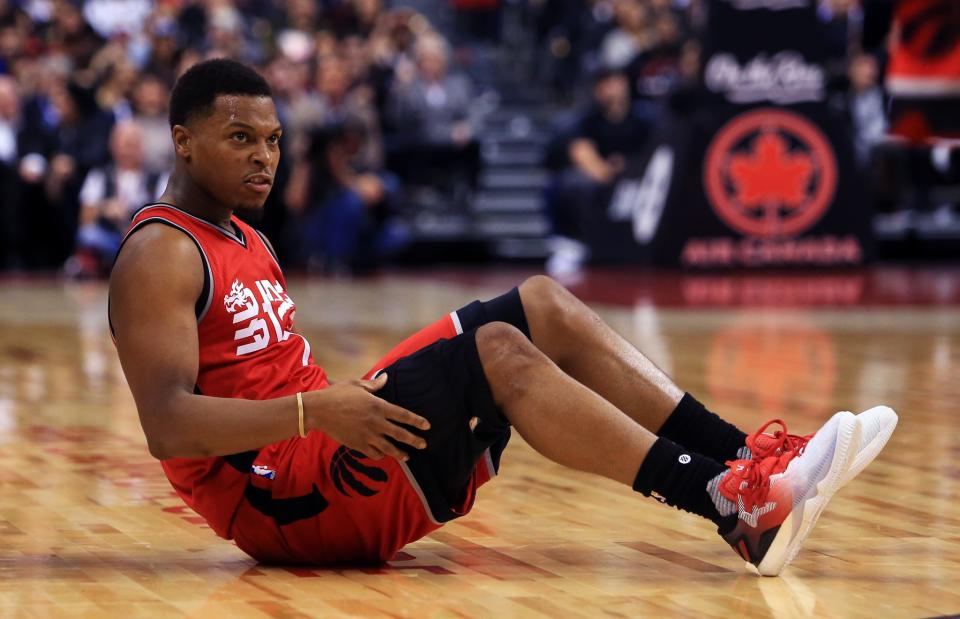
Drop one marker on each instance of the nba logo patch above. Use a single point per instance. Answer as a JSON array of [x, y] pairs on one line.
[[263, 471]]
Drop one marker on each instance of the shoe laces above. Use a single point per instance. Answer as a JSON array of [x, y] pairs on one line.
[[778, 443], [750, 480]]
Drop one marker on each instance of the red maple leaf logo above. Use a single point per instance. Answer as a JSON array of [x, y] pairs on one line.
[[770, 175]]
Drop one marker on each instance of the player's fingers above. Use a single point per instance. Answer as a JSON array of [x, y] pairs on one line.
[[404, 436], [392, 450], [376, 384], [372, 452], [402, 415]]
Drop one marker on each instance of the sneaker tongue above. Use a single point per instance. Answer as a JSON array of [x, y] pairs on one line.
[[765, 445]]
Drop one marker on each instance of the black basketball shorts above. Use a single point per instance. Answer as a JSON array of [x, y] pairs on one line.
[[445, 384]]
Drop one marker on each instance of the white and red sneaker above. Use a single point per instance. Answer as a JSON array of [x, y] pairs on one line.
[[877, 425], [780, 497]]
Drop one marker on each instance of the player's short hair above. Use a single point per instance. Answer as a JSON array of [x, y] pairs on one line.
[[197, 89]]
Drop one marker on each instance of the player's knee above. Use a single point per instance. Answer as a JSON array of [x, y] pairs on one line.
[[507, 357], [555, 303], [543, 287], [501, 341]]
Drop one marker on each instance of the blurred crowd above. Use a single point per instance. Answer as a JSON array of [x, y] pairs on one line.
[[365, 93], [372, 106]]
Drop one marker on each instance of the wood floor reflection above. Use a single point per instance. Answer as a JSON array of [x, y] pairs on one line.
[[90, 527]]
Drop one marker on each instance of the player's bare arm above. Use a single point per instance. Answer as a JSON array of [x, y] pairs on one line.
[[152, 312]]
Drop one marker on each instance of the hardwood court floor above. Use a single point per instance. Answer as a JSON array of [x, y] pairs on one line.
[[89, 526]]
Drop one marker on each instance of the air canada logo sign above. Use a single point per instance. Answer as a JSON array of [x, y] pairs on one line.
[[770, 173]]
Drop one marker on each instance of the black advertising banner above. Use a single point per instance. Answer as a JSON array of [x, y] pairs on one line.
[[760, 172]]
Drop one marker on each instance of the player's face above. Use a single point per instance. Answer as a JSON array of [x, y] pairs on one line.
[[236, 150]]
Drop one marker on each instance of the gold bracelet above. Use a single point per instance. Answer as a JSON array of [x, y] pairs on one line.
[[303, 434]]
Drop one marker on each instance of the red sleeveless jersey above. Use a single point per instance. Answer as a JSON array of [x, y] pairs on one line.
[[246, 344], [248, 350]]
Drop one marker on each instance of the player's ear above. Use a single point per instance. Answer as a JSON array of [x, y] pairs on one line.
[[182, 141]]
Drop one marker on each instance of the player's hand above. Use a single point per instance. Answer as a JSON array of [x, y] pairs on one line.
[[348, 412]]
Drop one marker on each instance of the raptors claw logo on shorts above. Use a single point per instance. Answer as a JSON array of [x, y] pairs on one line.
[[770, 173], [346, 468]]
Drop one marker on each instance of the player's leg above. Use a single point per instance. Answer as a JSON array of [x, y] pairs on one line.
[[586, 348], [511, 381], [571, 424], [577, 340], [560, 417]]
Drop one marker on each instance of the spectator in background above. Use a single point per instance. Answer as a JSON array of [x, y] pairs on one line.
[[163, 52], [36, 146], [109, 197], [602, 143], [657, 71], [611, 132], [150, 97], [841, 24], [362, 17], [431, 111], [572, 31], [390, 53], [227, 35], [9, 121], [340, 186], [296, 39], [15, 27], [113, 17], [10, 138], [631, 36], [80, 136], [288, 81], [296, 108], [71, 34], [867, 106], [115, 92], [339, 103]]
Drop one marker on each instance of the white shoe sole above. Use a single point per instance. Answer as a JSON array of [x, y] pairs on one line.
[[886, 419], [786, 546]]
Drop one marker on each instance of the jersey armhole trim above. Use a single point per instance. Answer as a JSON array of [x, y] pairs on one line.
[[205, 299], [266, 244]]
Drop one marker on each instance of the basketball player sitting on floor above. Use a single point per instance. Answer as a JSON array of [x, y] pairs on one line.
[[298, 470]]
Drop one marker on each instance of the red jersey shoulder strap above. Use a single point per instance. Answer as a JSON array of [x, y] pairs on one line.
[[191, 220], [144, 218]]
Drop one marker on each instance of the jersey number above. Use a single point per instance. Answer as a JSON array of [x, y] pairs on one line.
[[243, 304]]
